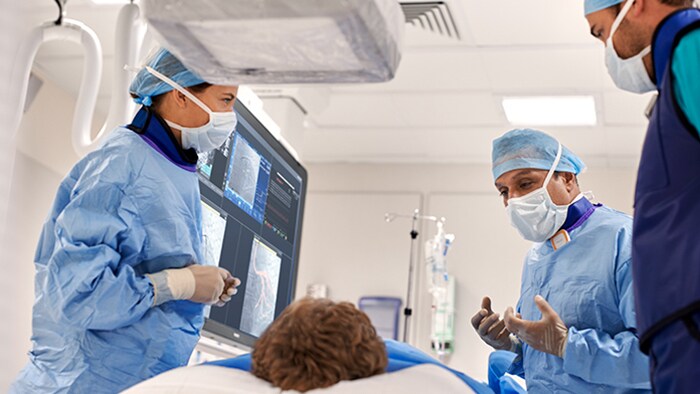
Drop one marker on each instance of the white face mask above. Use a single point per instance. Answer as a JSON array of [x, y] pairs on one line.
[[209, 136], [628, 74], [534, 215]]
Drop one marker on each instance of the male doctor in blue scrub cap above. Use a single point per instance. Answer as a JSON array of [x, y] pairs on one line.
[[575, 327], [655, 45], [121, 280]]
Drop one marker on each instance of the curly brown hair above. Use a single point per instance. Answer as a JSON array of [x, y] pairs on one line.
[[316, 343]]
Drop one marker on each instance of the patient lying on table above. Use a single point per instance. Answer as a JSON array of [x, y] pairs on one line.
[[317, 345]]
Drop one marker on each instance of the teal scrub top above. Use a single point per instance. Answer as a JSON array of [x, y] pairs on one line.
[[686, 73]]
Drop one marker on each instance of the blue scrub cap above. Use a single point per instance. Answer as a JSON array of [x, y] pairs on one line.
[[591, 6], [527, 148], [146, 85]]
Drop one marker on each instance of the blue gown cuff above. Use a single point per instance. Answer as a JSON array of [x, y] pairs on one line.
[[161, 291]]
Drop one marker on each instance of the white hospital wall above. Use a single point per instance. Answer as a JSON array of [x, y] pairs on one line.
[[44, 155], [12, 308], [348, 246]]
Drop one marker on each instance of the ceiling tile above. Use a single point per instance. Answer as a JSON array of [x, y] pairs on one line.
[[543, 71], [621, 108], [419, 110], [435, 70], [532, 22], [417, 37], [400, 145], [624, 141]]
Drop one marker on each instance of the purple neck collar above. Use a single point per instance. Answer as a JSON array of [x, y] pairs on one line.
[[153, 130], [578, 213]]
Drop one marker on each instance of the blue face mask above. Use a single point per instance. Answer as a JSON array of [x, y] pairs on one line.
[[209, 136]]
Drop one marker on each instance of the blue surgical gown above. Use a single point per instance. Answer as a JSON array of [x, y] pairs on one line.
[[124, 211], [588, 282]]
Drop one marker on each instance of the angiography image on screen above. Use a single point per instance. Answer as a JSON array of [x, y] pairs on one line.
[[248, 178], [261, 289], [245, 166], [213, 229]]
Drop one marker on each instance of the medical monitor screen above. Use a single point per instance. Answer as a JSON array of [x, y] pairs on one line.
[[252, 206]]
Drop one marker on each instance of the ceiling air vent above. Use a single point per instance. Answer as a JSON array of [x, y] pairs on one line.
[[434, 16]]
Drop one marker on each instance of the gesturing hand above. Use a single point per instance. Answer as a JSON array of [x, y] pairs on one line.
[[547, 335], [491, 327], [231, 284]]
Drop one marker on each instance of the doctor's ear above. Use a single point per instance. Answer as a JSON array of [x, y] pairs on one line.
[[178, 98], [571, 180], [568, 179], [638, 7]]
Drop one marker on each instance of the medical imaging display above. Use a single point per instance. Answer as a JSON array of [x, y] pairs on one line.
[[246, 166], [213, 228], [261, 290], [253, 194], [205, 163], [247, 179]]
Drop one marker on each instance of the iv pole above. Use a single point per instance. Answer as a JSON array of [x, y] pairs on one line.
[[415, 217]]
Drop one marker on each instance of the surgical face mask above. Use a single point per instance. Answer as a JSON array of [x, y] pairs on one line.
[[209, 136], [628, 74], [534, 215]]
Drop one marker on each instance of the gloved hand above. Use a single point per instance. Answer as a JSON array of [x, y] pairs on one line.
[[197, 283], [210, 283], [230, 289], [547, 335], [491, 328]]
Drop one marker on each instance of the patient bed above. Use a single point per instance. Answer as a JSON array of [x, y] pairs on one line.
[[212, 379]]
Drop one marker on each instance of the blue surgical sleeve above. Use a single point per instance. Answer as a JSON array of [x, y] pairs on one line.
[[686, 73], [89, 283], [615, 360]]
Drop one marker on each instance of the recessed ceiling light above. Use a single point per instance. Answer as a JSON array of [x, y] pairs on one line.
[[550, 110]]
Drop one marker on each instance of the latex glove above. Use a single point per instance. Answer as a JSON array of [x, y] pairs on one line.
[[546, 335], [209, 283], [230, 289], [197, 283], [491, 328]]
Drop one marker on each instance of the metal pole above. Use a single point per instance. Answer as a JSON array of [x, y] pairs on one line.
[[408, 311], [415, 218]]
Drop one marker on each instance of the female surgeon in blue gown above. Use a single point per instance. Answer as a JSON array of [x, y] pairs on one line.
[[121, 283]]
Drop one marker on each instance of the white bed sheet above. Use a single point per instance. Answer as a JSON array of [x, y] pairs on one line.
[[219, 380]]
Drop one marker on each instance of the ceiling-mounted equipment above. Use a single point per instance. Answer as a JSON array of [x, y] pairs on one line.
[[129, 36], [281, 41]]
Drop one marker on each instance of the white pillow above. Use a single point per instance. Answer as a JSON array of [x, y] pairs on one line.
[[208, 379]]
